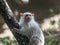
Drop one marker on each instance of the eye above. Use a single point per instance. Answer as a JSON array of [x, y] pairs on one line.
[[27, 15]]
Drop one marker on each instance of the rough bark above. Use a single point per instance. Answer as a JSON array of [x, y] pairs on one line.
[[9, 18]]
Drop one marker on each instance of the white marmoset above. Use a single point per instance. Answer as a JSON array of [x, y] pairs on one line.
[[31, 29]]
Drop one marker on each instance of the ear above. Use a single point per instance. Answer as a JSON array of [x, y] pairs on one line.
[[21, 14], [33, 14]]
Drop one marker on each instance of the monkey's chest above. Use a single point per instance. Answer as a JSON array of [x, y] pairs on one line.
[[27, 30]]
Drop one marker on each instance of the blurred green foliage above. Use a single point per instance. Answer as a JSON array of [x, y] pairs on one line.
[[7, 41], [51, 40]]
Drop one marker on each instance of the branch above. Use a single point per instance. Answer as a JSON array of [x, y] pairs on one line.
[[9, 18], [8, 14]]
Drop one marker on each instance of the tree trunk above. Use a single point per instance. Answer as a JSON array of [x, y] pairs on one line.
[[9, 18]]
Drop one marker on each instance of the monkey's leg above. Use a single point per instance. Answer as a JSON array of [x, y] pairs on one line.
[[35, 41]]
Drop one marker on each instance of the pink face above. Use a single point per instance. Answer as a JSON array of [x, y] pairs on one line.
[[27, 16]]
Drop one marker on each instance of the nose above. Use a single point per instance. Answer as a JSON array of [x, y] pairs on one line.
[[27, 16]]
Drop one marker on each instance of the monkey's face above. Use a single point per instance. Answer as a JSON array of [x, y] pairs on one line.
[[27, 16]]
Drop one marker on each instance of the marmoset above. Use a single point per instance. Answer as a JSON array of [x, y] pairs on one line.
[[31, 29]]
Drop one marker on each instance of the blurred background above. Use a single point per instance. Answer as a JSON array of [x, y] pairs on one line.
[[47, 14]]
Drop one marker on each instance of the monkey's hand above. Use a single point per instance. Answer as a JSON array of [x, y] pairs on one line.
[[15, 30], [23, 39]]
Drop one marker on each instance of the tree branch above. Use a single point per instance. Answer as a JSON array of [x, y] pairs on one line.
[[9, 18]]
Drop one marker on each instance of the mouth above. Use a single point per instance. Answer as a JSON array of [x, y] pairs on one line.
[[27, 19]]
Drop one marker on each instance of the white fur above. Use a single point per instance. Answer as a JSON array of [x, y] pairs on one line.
[[31, 30]]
